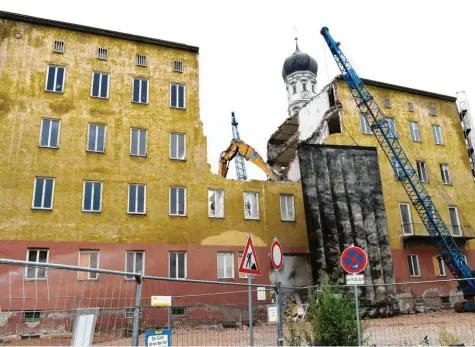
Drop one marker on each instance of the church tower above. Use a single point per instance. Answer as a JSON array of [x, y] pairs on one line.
[[300, 76]]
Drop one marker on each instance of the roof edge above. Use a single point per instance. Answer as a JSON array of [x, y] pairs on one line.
[[97, 31], [405, 89]]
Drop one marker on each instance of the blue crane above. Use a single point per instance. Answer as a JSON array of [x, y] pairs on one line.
[[240, 162], [406, 173]]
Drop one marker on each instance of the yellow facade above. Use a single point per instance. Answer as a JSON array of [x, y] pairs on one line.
[[25, 52], [452, 152]]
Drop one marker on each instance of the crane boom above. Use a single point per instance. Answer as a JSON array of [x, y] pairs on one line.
[[240, 163], [393, 150]]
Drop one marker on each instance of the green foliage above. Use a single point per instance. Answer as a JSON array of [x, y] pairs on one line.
[[446, 338], [332, 317]]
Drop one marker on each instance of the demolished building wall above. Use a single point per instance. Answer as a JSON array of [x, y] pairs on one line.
[[344, 205]]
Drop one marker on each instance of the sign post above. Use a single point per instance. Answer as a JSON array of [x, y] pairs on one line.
[[277, 260], [354, 260], [250, 266]]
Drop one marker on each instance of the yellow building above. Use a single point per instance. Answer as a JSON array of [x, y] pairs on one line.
[[104, 159]]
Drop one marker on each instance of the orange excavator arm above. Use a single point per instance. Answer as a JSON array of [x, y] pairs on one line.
[[238, 146]]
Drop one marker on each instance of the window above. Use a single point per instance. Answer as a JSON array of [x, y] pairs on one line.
[[392, 125], [287, 209], [43, 192], [422, 171], [398, 171], [314, 83], [331, 97], [102, 53], [215, 203], [294, 88], [31, 316], [140, 91], [406, 219], [387, 102], [177, 201], [365, 128], [455, 221], [92, 197], [37, 256], [96, 138], [55, 78], [177, 146], [433, 111], [137, 198], [304, 86], [141, 60], [49, 133], [177, 264], [58, 46], [437, 132], [177, 95], [225, 265], [100, 85], [138, 142], [251, 205], [413, 263], [439, 265], [134, 262], [129, 312], [88, 258], [178, 66], [410, 107], [241, 274], [178, 311], [445, 173], [415, 134]]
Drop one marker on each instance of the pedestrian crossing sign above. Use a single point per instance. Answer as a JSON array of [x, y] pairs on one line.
[[249, 263]]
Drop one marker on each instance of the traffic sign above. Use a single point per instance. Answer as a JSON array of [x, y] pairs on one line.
[[158, 338], [249, 263], [353, 260], [276, 255]]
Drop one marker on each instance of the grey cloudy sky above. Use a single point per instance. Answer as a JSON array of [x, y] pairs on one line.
[[421, 44]]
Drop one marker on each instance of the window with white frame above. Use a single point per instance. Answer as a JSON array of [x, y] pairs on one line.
[[140, 91], [387, 102], [100, 85], [415, 134], [304, 86], [437, 133], [406, 220], [410, 107], [55, 78], [433, 111], [88, 258], [177, 146], [413, 264], [129, 312], [138, 142], [364, 125], [177, 95], [58, 46], [225, 265], [445, 173], [177, 261], [215, 203], [102, 53], [251, 205], [49, 134], [294, 88], [177, 201], [43, 193], [178, 66], [287, 207], [398, 171], [314, 83], [137, 198], [31, 316], [141, 60], [440, 266], [92, 199], [422, 171], [96, 138], [455, 221], [392, 125], [36, 256], [134, 262]]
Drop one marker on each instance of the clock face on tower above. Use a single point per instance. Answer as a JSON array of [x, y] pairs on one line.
[[305, 95]]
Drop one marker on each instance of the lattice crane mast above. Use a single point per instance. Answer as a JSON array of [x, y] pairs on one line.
[[416, 191], [240, 161]]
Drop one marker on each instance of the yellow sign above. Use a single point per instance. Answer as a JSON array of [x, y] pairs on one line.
[[163, 301]]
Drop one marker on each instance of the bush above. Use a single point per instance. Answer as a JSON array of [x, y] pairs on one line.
[[332, 317]]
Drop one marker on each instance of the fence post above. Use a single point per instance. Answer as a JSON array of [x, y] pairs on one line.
[[249, 289], [280, 335], [138, 297]]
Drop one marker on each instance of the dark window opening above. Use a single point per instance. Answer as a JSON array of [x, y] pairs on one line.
[[331, 97], [334, 125], [178, 311]]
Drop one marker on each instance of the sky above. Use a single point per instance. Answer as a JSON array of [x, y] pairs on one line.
[[425, 45]]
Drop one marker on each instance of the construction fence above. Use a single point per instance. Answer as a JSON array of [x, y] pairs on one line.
[[66, 305]]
